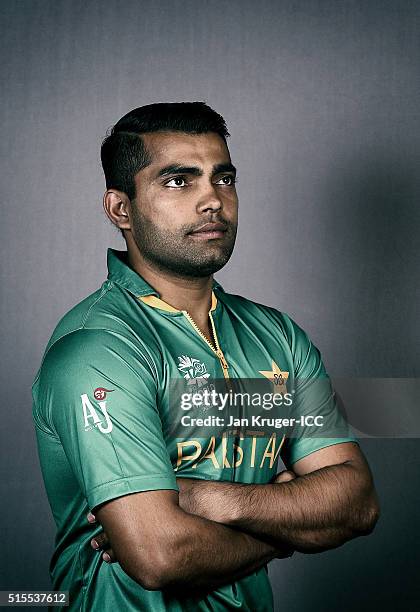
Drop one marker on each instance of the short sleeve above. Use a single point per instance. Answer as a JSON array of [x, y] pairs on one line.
[[313, 396], [97, 392]]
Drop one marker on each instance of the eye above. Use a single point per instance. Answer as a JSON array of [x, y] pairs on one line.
[[178, 181], [227, 180]]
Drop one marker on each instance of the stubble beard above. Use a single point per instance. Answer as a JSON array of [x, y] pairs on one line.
[[177, 254]]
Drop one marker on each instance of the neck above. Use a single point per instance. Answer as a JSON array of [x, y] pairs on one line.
[[190, 294]]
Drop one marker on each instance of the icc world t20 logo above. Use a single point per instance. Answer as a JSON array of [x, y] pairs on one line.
[[194, 371]]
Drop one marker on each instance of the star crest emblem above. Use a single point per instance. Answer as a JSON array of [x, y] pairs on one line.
[[276, 375]]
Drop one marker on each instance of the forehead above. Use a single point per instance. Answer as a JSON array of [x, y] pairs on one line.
[[178, 147]]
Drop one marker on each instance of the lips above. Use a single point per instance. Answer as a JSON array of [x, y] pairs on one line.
[[210, 228]]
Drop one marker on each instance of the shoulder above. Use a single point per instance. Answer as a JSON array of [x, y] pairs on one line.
[[86, 361], [94, 311], [98, 328], [266, 315]]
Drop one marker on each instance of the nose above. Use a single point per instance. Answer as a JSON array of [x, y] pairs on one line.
[[209, 200]]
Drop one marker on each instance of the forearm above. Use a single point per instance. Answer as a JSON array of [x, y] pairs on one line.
[[183, 549], [319, 510], [205, 554]]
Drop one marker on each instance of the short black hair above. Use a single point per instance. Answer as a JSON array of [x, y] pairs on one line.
[[123, 152]]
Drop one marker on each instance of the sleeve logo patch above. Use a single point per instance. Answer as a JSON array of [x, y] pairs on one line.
[[92, 418]]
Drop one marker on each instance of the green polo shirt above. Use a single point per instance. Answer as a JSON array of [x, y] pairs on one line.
[[101, 414]]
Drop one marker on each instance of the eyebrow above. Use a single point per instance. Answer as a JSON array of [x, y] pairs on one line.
[[194, 170]]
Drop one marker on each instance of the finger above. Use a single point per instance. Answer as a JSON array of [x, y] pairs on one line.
[[94, 544], [285, 476], [91, 517], [100, 541], [108, 556]]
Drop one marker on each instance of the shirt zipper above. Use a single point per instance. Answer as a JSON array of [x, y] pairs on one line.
[[217, 350]]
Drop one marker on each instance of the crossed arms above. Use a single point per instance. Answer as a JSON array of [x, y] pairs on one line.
[[213, 533]]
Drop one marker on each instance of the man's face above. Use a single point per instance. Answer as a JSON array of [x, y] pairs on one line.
[[190, 183]]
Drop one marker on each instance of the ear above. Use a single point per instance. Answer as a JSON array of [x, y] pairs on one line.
[[117, 207]]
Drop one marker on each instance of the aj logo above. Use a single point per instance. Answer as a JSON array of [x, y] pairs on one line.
[[92, 419]]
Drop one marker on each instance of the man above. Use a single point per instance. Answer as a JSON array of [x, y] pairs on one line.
[[193, 522]]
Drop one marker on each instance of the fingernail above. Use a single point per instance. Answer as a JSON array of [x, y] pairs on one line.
[[94, 544], [106, 557]]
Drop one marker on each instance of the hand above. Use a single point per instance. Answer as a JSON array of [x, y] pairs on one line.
[[189, 496], [202, 497], [285, 476], [100, 542]]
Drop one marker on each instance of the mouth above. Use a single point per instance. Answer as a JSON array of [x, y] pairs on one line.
[[209, 231]]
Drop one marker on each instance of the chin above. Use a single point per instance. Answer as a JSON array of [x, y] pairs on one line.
[[201, 270], [210, 268]]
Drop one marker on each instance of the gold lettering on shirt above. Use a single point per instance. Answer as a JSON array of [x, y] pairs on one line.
[[254, 444], [182, 445], [270, 450], [224, 450], [245, 455], [210, 454], [237, 450]]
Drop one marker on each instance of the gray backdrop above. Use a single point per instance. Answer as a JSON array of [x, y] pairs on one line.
[[321, 99]]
